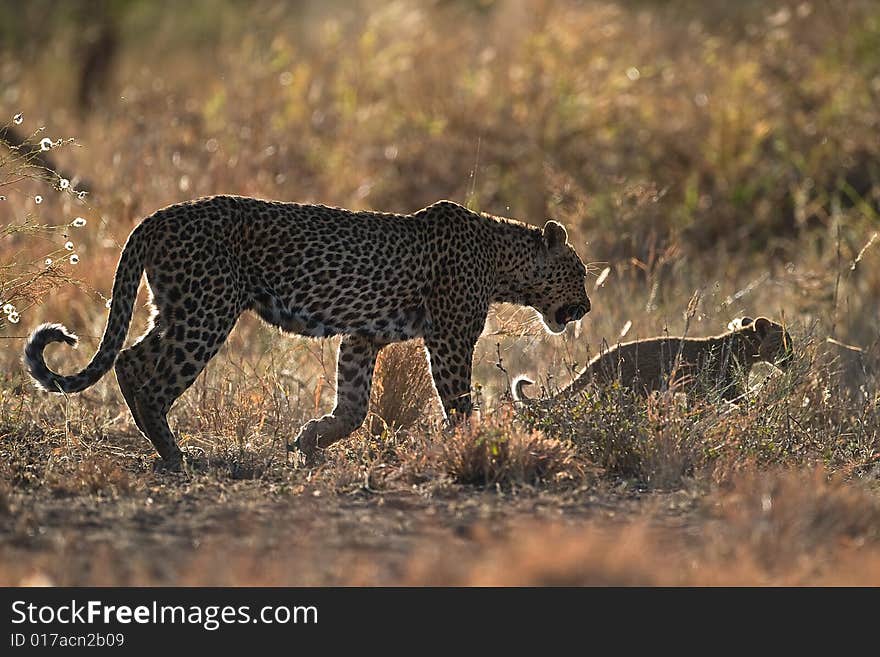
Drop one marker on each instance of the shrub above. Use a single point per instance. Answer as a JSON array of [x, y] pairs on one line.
[[25, 171], [494, 453]]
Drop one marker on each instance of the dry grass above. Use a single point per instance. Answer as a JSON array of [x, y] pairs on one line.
[[658, 441], [713, 153], [95, 476], [403, 392], [492, 453]]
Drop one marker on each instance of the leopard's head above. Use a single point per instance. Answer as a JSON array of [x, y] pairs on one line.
[[557, 289], [769, 340]]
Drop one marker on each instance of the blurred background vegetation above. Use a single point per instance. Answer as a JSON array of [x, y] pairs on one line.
[[710, 158], [725, 147]]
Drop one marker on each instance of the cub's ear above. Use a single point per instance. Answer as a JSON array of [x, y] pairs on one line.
[[555, 236], [762, 327], [739, 322]]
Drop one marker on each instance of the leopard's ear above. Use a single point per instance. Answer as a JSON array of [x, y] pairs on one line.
[[762, 327], [739, 322], [555, 236]]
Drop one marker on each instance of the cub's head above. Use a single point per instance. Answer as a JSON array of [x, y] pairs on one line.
[[557, 282], [769, 340]]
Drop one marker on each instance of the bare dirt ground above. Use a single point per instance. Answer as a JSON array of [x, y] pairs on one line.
[[100, 515], [204, 529]]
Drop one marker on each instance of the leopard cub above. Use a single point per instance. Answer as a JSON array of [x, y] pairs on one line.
[[717, 364]]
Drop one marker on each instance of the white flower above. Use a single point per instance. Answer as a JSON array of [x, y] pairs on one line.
[[81, 195], [64, 183], [68, 245], [38, 199], [18, 118], [8, 308], [107, 305], [46, 144], [74, 259], [48, 262], [79, 222], [13, 317]]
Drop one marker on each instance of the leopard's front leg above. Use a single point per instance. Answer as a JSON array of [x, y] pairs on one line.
[[354, 376], [451, 361]]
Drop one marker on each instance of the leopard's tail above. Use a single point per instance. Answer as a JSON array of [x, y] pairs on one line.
[[125, 285], [516, 388]]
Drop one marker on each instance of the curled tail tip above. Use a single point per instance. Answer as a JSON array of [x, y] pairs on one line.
[[48, 333], [516, 388], [33, 354]]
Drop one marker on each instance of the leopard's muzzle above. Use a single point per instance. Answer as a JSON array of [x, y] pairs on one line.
[[571, 313]]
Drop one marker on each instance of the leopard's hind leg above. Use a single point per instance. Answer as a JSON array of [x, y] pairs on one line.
[[131, 370], [153, 373]]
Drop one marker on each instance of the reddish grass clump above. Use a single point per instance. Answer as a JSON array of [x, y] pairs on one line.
[[402, 389], [496, 453], [93, 475]]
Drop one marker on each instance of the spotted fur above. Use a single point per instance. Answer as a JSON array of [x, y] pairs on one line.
[[312, 270], [694, 365]]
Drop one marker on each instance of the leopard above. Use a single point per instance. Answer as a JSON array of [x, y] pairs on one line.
[[717, 364], [372, 278]]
